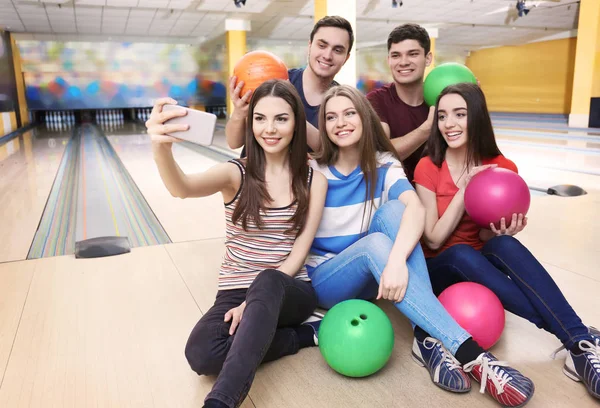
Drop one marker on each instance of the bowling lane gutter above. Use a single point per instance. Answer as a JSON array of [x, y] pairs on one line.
[[104, 202], [114, 204], [56, 229]]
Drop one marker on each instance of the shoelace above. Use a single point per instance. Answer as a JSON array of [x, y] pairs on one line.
[[451, 362], [594, 350], [593, 331], [492, 370]]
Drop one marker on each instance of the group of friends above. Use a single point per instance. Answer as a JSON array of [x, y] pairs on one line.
[[376, 212]]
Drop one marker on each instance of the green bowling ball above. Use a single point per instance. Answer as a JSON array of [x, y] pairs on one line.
[[442, 76], [356, 338]]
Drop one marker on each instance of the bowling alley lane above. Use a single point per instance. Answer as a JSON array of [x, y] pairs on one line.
[[183, 220], [28, 165]]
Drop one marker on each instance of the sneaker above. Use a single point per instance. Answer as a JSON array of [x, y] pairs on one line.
[[591, 329], [585, 367], [504, 384], [314, 321], [445, 371]]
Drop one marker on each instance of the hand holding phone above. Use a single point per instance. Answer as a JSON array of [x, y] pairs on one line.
[[201, 125]]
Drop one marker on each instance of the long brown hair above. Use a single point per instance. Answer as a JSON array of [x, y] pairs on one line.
[[481, 142], [373, 137], [254, 196]]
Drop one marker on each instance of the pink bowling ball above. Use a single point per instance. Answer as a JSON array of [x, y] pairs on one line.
[[477, 310], [495, 193]]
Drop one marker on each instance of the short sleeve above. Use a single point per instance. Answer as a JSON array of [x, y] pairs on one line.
[[396, 183], [426, 174], [505, 163], [375, 98]]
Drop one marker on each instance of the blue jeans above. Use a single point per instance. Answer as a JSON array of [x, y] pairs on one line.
[[521, 283], [355, 273]]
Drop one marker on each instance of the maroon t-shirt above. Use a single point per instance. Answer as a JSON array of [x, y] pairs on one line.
[[401, 118]]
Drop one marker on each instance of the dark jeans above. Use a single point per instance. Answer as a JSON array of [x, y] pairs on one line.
[[275, 302], [521, 283]]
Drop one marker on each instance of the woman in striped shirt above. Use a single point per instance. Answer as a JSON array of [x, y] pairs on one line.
[[367, 246], [273, 205]]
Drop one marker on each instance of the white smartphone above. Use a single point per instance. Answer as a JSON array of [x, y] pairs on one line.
[[202, 125]]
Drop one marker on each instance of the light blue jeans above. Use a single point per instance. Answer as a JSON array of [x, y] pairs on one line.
[[356, 271]]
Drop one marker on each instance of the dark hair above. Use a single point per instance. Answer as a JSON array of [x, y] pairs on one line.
[[254, 196], [410, 31], [373, 138], [481, 142], [334, 21]]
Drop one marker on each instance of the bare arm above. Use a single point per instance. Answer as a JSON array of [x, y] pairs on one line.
[[409, 143], [221, 177], [395, 275], [437, 230], [411, 227], [235, 129], [318, 192]]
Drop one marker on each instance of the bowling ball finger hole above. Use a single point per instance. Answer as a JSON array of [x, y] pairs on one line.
[[363, 317], [354, 322]]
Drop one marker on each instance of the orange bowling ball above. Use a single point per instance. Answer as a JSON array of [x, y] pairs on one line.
[[256, 67]]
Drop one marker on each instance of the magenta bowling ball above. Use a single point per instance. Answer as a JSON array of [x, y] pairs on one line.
[[495, 193], [477, 310]]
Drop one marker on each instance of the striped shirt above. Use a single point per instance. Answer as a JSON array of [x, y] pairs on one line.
[[342, 223], [247, 253]]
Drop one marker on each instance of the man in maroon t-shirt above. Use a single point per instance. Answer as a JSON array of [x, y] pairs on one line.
[[400, 105]]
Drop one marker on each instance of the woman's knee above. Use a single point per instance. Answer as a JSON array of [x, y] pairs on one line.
[[505, 244], [391, 209], [388, 217], [269, 280], [201, 353], [465, 255], [378, 245]]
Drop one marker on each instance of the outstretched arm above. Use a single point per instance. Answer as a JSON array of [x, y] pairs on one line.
[[219, 178]]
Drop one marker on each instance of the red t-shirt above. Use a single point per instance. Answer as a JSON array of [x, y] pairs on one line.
[[401, 118], [439, 180]]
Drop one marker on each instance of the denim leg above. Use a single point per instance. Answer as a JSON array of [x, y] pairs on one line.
[[463, 263], [533, 282], [387, 220], [347, 274]]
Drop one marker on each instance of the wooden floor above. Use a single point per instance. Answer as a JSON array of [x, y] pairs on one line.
[[111, 332]]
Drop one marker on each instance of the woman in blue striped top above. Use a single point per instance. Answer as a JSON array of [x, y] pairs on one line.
[[273, 206], [367, 245]]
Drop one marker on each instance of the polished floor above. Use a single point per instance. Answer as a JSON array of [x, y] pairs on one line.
[[110, 332]]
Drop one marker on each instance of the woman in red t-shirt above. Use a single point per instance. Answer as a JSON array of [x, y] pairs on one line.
[[460, 146]]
